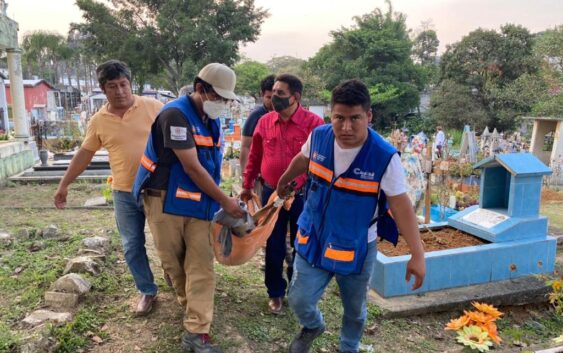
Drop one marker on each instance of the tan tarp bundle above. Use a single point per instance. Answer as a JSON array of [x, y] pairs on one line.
[[244, 248]]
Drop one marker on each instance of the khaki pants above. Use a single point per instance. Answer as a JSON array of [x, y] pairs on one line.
[[185, 248]]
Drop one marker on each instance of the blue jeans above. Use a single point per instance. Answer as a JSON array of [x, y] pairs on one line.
[[276, 245], [308, 285], [130, 220]]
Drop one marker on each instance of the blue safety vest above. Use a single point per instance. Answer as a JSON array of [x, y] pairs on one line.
[[338, 211], [183, 196]]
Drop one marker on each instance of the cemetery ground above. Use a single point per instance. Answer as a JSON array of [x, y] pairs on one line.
[[103, 322]]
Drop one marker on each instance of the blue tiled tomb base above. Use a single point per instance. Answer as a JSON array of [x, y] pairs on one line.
[[466, 266]]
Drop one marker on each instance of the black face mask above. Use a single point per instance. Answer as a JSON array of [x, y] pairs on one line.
[[280, 103]]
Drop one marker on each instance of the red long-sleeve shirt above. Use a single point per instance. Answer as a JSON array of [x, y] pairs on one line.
[[274, 144]]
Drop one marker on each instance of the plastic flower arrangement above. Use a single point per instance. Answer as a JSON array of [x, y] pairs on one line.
[[477, 329]]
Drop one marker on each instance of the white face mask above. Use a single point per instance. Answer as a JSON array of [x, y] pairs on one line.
[[214, 109]]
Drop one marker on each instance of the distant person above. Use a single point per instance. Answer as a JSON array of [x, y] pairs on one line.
[[352, 169], [250, 124], [278, 137], [179, 175], [121, 127], [440, 142]]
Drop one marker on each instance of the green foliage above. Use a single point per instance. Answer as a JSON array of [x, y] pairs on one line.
[[249, 75], [170, 35], [425, 123], [425, 47], [493, 66], [456, 136], [376, 50], [453, 105], [8, 341], [41, 49], [73, 336], [286, 65]]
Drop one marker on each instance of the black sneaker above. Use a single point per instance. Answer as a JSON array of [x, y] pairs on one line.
[[304, 339], [198, 343]]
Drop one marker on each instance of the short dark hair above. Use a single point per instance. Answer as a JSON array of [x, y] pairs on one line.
[[206, 86], [267, 83], [294, 83], [112, 70], [351, 93]]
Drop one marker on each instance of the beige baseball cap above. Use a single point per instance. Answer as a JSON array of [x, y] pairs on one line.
[[221, 78]]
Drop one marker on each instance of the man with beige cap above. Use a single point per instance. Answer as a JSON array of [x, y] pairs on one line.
[[179, 177]]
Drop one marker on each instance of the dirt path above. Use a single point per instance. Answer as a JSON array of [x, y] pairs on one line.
[[160, 331]]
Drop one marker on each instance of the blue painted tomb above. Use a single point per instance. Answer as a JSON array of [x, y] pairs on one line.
[[507, 216]]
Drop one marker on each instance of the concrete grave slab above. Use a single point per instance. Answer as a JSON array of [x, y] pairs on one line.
[[519, 291]]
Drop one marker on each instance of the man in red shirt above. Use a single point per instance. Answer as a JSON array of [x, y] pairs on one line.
[[278, 138]]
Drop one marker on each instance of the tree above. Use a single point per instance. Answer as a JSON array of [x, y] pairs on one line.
[[453, 105], [487, 63], [177, 36], [285, 65], [376, 50], [41, 53], [249, 75], [425, 47]]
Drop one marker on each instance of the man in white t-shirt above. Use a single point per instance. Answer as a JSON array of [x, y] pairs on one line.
[[336, 236]]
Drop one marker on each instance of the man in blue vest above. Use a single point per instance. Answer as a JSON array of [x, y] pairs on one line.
[[180, 173], [352, 173]]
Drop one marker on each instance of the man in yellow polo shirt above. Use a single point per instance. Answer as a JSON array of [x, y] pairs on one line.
[[121, 127]]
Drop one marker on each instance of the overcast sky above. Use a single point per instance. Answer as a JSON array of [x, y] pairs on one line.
[[300, 27]]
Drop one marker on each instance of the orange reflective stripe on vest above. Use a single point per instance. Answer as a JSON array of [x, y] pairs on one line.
[[357, 185], [183, 194], [340, 255], [148, 164], [201, 140], [320, 171], [302, 239]]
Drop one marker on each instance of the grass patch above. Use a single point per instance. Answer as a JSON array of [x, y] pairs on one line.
[[8, 340], [75, 335]]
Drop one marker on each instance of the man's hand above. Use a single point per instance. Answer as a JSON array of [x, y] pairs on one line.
[[232, 207], [60, 197], [417, 267], [285, 189], [246, 195]]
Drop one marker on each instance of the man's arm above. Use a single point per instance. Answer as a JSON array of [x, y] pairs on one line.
[[200, 176], [298, 166], [253, 165], [77, 165], [403, 214], [245, 151]]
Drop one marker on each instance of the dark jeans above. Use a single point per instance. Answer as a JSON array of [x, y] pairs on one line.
[[276, 245]]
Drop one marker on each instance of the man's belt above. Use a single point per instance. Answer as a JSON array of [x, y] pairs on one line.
[[153, 192]]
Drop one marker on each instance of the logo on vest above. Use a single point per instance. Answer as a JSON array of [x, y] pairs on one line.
[[364, 175], [318, 157]]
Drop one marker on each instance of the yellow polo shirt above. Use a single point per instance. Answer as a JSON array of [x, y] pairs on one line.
[[124, 138]]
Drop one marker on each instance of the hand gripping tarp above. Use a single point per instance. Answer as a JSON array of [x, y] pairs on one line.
[[235, 241]]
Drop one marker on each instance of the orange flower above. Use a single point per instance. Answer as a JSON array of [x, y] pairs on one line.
[[492, 331], [487, 309], [479, 317], [109, 180], [556, 285], [457, 324]]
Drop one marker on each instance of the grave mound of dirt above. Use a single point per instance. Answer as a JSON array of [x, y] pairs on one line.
[[439, 239]]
